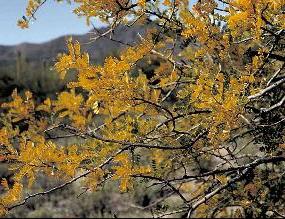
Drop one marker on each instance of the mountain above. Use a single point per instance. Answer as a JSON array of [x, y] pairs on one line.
[[49, 50], [28, 65]]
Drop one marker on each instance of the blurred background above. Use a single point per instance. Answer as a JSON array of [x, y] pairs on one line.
[[27, 56]]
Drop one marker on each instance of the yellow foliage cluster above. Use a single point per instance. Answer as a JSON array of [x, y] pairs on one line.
[[71, 105], [20, 108], [195, 26], [99, 8], [125, 170], [11, 196], [252, 15], [110, 84], [224, 103]]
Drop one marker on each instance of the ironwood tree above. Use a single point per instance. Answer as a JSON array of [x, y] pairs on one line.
[[206, 126]]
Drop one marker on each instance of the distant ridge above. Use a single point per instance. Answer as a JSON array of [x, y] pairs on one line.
[[48, 51], [27, 66]]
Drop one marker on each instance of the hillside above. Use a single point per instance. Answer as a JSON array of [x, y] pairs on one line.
[[28, 66]]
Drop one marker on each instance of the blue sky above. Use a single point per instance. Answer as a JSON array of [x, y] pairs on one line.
[[53, 20]]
